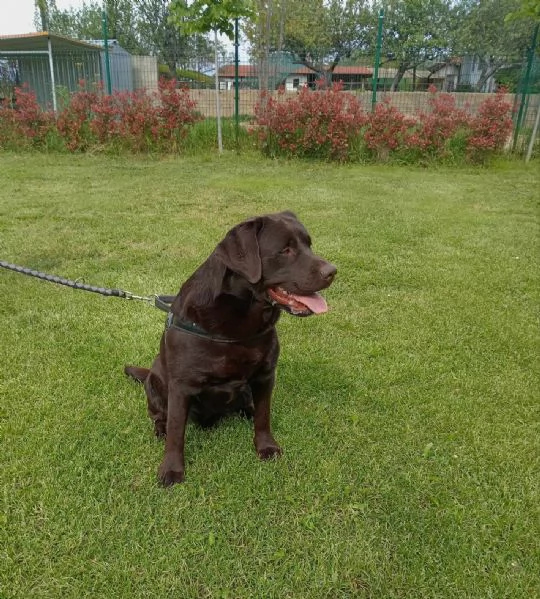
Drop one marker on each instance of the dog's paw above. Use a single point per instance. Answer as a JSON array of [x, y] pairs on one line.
[[160, 429], [170, 472], [269, 452], [170, 478]]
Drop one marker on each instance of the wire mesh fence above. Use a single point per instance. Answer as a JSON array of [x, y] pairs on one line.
[[54, 66]]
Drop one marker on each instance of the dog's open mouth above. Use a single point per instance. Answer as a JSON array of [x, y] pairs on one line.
[[299, 305]]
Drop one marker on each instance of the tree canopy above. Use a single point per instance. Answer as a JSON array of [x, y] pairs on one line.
[[318, 33], [201, 16], [486, 33]]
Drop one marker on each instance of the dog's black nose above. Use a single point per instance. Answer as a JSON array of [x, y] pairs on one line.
[[328, 272]]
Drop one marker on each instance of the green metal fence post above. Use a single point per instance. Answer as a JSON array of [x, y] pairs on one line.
[[236, 86], [106, 48], [377, 60], [525, 87]]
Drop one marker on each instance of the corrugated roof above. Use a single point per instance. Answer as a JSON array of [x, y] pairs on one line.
[[38, 41], [352, 70], [389, 73], [244, 70], [300, 69], [252, 71]]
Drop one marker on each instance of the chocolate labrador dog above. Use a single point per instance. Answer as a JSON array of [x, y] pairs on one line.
[[219, 351]]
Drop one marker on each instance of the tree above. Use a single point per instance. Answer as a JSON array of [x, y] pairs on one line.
[[306, 31], [83, 23], [528, 9], [86, 22], [491, 37], [318, 33], [140, 26], [416, 31], [43, 11], [212, 15], [350, 24], [265, 32], [202, 17], [160, 37]]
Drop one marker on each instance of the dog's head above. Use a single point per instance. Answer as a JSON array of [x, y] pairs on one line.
[[273, 253]]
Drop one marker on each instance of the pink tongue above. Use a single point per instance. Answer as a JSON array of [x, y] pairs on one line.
[[314, 302]]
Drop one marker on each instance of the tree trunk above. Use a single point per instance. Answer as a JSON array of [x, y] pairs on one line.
[[533, 135], [265, 23], [43, 14], [488, 69], [399, 76], [282, 15], [218, 107], [328, 74]]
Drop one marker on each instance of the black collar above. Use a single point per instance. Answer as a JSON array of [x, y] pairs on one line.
[[192, 328]]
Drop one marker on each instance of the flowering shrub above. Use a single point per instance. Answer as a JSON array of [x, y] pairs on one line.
[[73, 122], [137, 122], [24, 124], [331, 124], [319, 124], [435, 128], [387, 130], [490, 128], [327, 123], [104, 120], [176, 111], [134, 121]]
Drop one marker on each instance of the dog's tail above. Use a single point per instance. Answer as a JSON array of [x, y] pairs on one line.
[[137, 373]]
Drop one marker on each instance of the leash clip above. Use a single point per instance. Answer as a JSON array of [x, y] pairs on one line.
[[143, 298]]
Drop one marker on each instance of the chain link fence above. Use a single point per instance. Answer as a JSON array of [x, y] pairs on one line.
[[53, 67]]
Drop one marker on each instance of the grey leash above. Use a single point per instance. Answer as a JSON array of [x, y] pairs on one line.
[[163, 302]]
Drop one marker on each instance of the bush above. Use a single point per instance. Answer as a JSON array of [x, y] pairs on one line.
[[436, 129], [176, 112], [132, 121], [74, 121], [321, 124], [330, 124], [23, 124], [490, 128], [387, 131]]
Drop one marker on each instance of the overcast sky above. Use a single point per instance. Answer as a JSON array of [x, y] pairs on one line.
[[17, 16]]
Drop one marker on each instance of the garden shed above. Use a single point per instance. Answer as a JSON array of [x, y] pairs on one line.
[[120, 65], [50, 65]]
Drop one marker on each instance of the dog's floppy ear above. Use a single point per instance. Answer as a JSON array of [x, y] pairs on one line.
[[290, 214], [239, 251]]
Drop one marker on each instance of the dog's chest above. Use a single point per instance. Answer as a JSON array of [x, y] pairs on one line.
[[238, 365]]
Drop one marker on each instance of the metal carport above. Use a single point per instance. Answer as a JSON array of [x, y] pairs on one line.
[[50, 64]]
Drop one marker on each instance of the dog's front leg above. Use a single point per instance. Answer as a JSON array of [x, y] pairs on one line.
[[265, 444], [171, 470]]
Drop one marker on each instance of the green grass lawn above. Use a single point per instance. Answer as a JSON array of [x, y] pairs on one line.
[[408, 415]]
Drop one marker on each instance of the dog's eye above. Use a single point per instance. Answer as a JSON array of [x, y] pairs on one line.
[[287, 251]]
